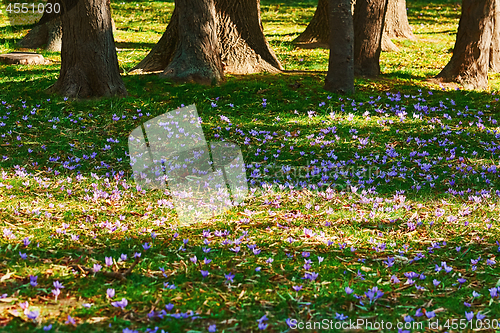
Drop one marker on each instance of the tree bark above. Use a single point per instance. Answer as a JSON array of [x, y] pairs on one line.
[[396, 25], [163, 52], [197, 56], [48, 34], [369, 18], [89, 65], [240, 40], [471, 55], [396, 21], [340, 77], [48, 31], [495, 41], [317, 32]]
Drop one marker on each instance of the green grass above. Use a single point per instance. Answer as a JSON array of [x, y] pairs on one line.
[[67, 189]]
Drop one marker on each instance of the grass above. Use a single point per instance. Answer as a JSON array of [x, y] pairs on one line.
[[410, 205]]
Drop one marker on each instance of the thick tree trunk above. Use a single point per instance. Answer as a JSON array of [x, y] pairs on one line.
[[241, 42], [340, 77], [163, 52], [197, 56], [368, 27], [244, 47], [396, 25], [317, 32], [35, 38], [89, 65], [54, 40], [396, 21], [495, 41], [471, 55], [48, 32]]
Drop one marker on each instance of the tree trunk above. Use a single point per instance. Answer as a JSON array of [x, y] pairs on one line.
[[54, 40], [396, 25], [240, 40], [163, 52], [340, 77], [197, 56], [368, 27], [48, 34], [48, 31], [471, 55], [89, 65], [495, 41], [35, 38], [396, 21], [244, 47], [317, 32]]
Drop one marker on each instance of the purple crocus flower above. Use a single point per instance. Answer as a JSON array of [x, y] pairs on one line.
[[32, 314], [229, 277], [430, 314], [56, 292], [70, 321], [58, 285], [373, 294], [108, 261], [469, 315], [120, 304], [340, 316], [33, 279], [110, 293]]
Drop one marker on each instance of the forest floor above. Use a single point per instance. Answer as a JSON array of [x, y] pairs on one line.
[[380, 208]]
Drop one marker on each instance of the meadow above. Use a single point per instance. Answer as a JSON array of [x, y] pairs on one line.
[[380, 208]]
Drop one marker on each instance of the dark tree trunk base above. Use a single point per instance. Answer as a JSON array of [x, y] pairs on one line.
[[54, 41], [368, 19], [163, 52], [48, 34], [89, 65], [396, 22], [340, 77], [396, 25], [243, 47], [470, 61], [317, 30], [35, 38], [388, 45], [197, 56]]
